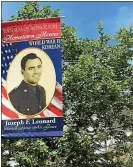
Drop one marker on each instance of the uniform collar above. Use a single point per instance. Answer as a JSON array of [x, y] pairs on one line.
[[23, 83]]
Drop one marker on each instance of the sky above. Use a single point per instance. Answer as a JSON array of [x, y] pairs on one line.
[[84, 16]]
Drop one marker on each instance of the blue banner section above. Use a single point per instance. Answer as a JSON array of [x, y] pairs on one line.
[[38, 127], [52, 47], [33, 134]]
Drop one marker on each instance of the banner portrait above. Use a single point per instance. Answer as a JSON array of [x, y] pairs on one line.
[[31, 78]]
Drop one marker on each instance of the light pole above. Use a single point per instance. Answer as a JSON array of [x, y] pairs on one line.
[[130, 159]]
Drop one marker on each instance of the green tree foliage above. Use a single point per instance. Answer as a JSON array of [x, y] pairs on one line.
[[98, 101], [32, 10], [98, 85]]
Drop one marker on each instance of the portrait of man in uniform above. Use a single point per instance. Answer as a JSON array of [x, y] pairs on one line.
[[29, 97]]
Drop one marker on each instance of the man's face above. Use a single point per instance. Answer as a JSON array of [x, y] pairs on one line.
[[33, 70]]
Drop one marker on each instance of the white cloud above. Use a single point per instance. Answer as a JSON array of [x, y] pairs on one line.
[[123, 17]]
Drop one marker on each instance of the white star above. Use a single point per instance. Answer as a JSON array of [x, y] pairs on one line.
[[2, 65], [8, 57], [11, 56], [5, 64], [10, 43], [9, 51], [3, 71], [3, 58], [6, 44], [6, 51], [3, 45]]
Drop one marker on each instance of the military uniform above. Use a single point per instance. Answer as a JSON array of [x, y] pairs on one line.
[[28, 99]]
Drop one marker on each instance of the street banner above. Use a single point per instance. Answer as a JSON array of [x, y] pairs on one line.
[[31, 102]]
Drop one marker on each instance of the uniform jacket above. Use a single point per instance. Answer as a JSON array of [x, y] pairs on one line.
[[25, 100]]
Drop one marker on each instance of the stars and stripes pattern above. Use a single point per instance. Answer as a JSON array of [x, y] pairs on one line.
[[54, 109]]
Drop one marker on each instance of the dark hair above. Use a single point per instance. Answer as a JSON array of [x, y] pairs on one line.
[[27, 57]]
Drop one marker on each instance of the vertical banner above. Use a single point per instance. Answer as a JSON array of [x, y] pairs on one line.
[[31, 78]]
